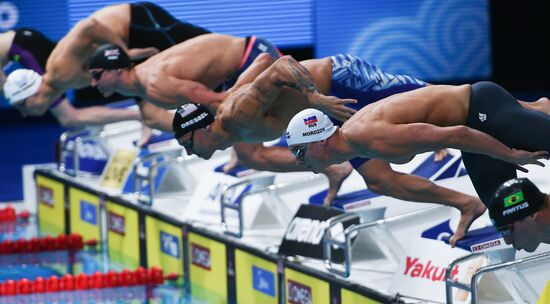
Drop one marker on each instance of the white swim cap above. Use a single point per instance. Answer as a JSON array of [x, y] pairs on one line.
[[20, 84], [307, 126]]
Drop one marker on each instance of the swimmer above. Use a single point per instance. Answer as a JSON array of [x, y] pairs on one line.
[[141, 28], [482, 120], [30, 49], [193, 70], [521, 213]]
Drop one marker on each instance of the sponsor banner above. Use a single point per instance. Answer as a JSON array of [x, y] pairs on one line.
[[351, 297], [45, 196], [545, 295], [304, 234], [117, 170], [490, 245], [123, 243], [84, 214], [92, 157], [170, 244], [51, 205], [200, 256], [305, 289], [164, 245], [88, 212], [256, 279], [208, 264], [421, 273]]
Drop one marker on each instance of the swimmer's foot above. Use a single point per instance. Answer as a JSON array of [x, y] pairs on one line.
[[471, 211], [542, 105], [336, 175]]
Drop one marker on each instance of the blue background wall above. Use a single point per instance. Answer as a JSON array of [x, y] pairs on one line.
[[430, 39]]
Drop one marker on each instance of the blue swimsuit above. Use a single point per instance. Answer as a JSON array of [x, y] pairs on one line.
[[354, 77]]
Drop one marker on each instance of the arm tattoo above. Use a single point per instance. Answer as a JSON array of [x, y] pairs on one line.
[[302, 80]]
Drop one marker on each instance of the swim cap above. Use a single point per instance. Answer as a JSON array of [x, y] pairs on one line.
[[514, 200], [20, 84], [110, 57], [307, 126], [189, 117]]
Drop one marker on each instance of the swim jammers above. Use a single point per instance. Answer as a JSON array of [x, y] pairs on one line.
[[30, 49], [496, 112], [354, 77], [152, 26], [254, 46]]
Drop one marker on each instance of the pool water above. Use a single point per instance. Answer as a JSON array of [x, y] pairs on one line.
[[89, 261]]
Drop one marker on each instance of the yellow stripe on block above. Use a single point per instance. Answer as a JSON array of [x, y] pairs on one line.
[[123, 235], [301, 287], [355, 298], [51, 205], [84, 214], [207, 265], [164, 245], [256, 279]]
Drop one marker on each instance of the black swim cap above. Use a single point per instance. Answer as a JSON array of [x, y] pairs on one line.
[[189, 117], [110, 57], [515, 200]]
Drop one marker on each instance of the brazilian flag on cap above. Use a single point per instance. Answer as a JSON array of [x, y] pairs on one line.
[[513, 199]]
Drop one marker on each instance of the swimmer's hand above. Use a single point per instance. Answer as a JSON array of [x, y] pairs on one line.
[[146, 135], [521, 157], [333, 106], [232, 163], [137, 54], [440, 155]]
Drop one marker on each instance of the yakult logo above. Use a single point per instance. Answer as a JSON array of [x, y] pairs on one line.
[[200, 256], [116, 223], [415, 269], [45, 196], [299, 293]]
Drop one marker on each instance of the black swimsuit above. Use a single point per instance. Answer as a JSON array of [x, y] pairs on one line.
[[30, 49], [153, 26], [496, 112]]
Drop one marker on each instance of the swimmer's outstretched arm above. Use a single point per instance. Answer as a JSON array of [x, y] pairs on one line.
[[98, 33], [155, 117], [70, 117], [171, 92], [247, 105], [290, 73], [414, 138]]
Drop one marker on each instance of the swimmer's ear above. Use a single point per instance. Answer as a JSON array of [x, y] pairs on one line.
[[324, 142]]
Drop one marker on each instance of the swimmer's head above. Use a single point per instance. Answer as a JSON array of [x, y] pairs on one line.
[[515, 200], [307, 126], [20, 85], [190, 117], [109, 57]]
